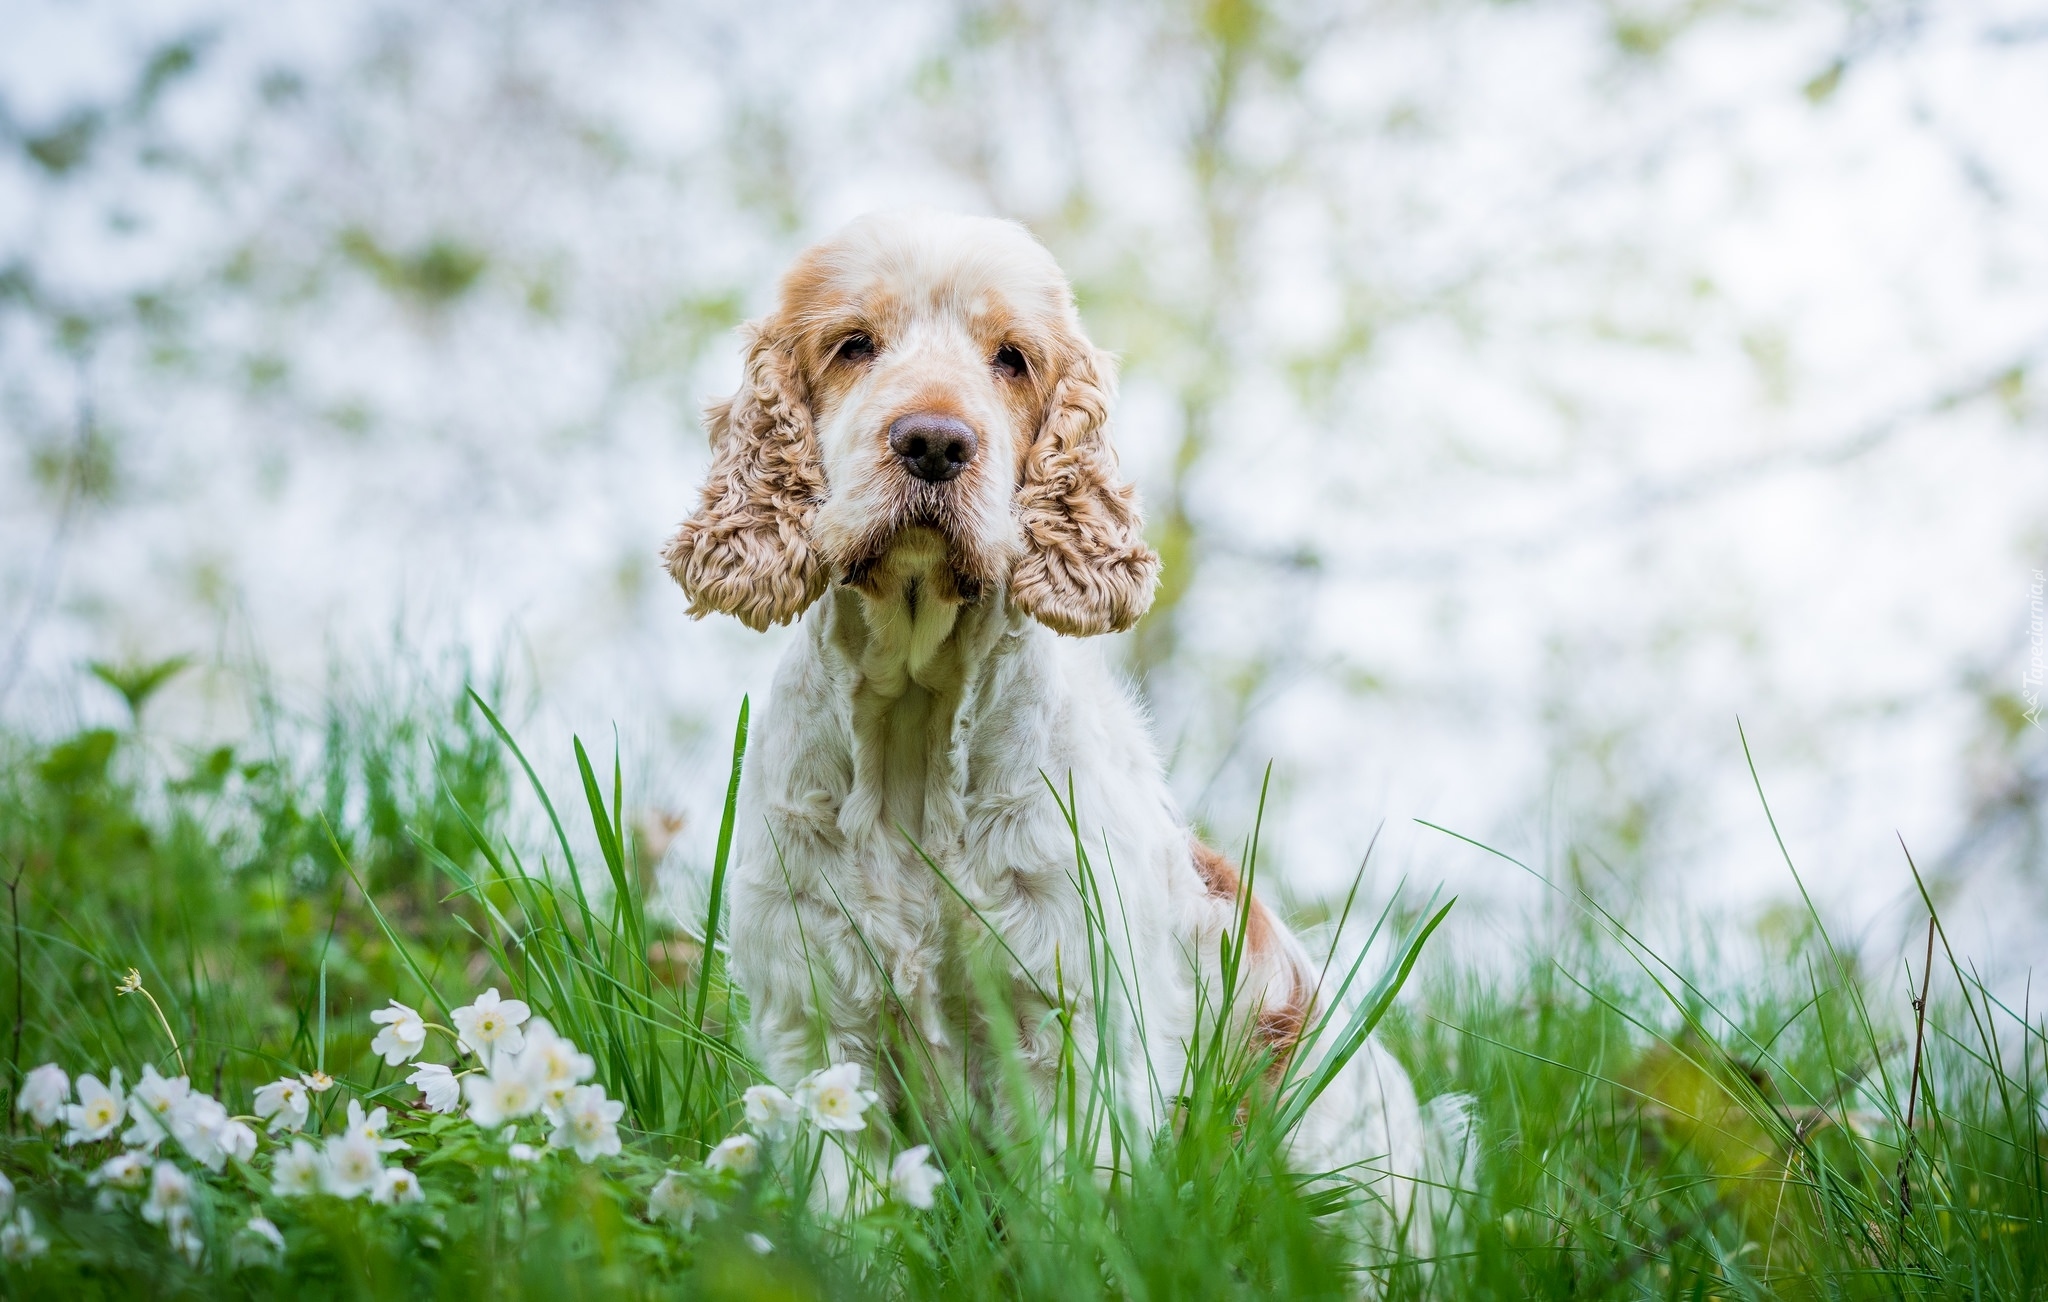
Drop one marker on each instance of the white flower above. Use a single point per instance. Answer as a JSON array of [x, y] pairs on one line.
[[184, 1233], [759, 1242], [589, 1124], [550, 1058], [43, 1093], [317, 1081], [98, 1109], [554, 1065], [236, 1140], [261, 1227], [913, 1178], [554, 1098], [169, 1188], [490, 1026], [440, 1091], [498, 1098], [150, 1108], [735, 1155], [127, 1171], [403, 1036], [259, 1241], [371, 1127], [833, 1098], [675, 1200], [209, 1134], [299, 1173], [197, 1122], [524, 1152], [19, 1240], [354, 1166], [770, 1112], [286, 1102], [398, 1185]]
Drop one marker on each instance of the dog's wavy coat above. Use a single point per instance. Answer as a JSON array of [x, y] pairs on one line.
[[918, 465]]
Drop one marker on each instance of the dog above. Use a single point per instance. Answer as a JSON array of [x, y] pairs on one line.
[[917, 465]]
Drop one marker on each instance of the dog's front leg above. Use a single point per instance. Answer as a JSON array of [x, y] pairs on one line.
[[811, 1007]]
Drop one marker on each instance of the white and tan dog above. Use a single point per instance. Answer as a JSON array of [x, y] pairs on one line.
[[918, 464]]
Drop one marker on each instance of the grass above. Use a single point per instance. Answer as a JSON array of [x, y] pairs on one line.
[[1644, 1128]]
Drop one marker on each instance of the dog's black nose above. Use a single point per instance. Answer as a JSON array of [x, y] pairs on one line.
[[933, 447]]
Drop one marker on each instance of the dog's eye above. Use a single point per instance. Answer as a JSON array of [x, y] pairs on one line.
[[856, 348], [1010, 362]]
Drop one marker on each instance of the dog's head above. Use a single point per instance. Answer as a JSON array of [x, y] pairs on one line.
[[919, 371]]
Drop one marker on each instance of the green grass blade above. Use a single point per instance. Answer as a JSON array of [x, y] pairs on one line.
[[723, 856]]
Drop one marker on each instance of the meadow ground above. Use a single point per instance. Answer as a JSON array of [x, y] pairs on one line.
[[1642, 1128]]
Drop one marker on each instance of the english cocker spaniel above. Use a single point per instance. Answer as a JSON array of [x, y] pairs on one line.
[[918, 465]]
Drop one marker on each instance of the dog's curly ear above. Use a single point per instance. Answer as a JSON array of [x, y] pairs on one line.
[[1085, 568], [747, 551]]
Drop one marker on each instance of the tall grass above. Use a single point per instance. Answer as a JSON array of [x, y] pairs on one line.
[[1645, 1126]]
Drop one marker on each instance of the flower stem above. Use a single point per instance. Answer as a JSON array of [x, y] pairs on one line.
[[132, 985]]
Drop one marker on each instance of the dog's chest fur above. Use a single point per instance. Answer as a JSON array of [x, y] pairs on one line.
[[915, 668], [902, 788], [907, 674]]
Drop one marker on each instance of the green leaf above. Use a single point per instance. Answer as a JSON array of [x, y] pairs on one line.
[[137, 683]]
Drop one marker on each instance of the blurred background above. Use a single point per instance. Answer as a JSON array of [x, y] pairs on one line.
[[1521, 393]]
